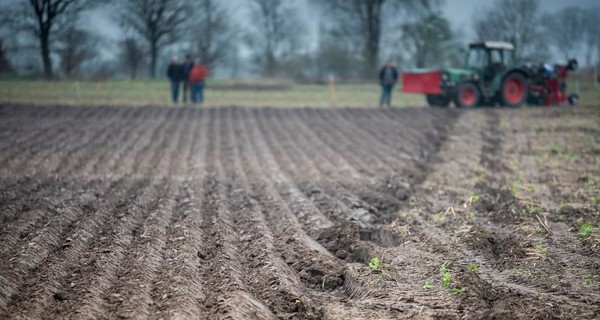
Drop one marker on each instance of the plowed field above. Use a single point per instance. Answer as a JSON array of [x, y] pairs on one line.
[[180, 213]]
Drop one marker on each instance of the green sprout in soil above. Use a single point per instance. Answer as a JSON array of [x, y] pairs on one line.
[[593, 202], [515, 272], [474, 199], [343, 240], [412, 201], [586, 230], [555, 148], [473, 267], [427, 285], [537, 210], [438, 218], [530, 188], [445, 272], [589, 281], [563, 203], [541, 250], [447, 277], [375, 265], [590, 181], [405, 229], [456, 291]]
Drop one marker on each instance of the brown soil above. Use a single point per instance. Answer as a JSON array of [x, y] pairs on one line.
[[233, 213]]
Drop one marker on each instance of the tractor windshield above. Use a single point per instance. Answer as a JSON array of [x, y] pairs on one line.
[[477, 58]]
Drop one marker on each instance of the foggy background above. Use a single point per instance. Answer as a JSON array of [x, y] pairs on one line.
[[305, 40]]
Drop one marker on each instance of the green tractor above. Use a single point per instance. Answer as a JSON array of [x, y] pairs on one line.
[[488, 78]]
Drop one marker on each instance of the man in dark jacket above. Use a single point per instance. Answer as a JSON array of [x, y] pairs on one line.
[[175, 74], [187, 66], [388, 75]]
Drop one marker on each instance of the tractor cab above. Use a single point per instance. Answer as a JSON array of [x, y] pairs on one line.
[[489, 58]]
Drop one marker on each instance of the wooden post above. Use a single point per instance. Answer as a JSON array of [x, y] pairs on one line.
[[331, 86]]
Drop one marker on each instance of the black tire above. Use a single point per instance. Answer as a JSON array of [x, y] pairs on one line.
[[438, 100], [467, 95], [513, 90], [573, 100]]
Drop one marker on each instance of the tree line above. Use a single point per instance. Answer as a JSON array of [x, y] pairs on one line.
[[353, 38]]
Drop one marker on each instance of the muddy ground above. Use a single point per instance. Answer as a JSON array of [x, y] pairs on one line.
[[233, 213]]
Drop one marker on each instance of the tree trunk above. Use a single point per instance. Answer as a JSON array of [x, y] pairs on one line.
[[373, 36], [153, 58], [45, 50]]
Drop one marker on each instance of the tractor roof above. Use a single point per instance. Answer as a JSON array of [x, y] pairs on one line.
[[493, 45]]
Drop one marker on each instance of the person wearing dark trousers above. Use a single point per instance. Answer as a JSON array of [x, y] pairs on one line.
[[388, 75], [187, 67], [175, 75], [197, 77]]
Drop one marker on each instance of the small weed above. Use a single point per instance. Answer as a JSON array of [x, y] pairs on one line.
[[445, 272], [593, 202], [572, 155], [586, 230], [537, 210], [541, 249], [438, 218], [473, 267], [593, 141], [474, 199], [447, 277], [445, 267], [563, 203], [555, 148], [405, 229], [530, 188], [520, 273], [470, 215], [589, 280], [456, 291], [343, 240], [375, 265], [427, 285], [412, 201], [590, 181]]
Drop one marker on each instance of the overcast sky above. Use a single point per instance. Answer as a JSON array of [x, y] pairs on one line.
[[458, 12]]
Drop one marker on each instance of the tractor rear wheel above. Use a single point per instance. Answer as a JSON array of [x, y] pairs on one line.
[[467, 95], [438, 100], [514, 90]]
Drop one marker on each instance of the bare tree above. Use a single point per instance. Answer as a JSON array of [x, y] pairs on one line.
[[75, 47], [158, 22], [429, 39], [565, 29], [212, 32], [361, 22], [591, 31], [5, 66], [277, 34], [131, 56], [40, 19], [517, 21]]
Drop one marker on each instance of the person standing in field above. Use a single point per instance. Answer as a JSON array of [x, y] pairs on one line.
[[175, 75], [388, 75], [187, 66], [197, 77]]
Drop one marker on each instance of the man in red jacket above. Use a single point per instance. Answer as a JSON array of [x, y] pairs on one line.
[[197, 77]]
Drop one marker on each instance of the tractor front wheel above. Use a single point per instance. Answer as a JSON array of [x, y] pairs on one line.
[[514, 90], [573, 100], [438, 100], [467, 95]]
